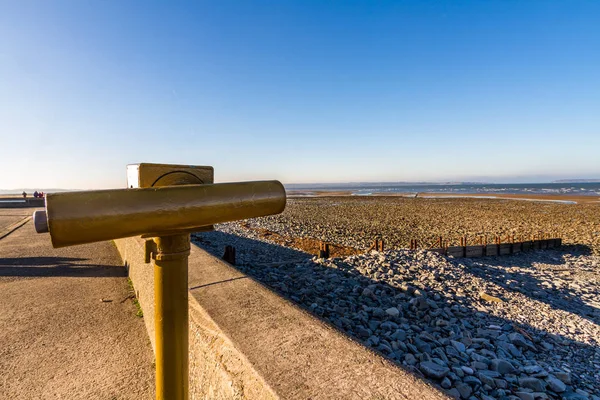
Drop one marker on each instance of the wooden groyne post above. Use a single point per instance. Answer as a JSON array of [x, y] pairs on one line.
[[508, 245]]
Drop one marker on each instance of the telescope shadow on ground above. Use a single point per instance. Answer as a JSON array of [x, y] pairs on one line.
[[331, 294], [57, 266]]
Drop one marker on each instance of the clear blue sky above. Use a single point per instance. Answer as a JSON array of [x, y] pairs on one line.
[[306, 91]]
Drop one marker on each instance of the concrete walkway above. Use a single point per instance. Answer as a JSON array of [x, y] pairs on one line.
[[58, 338]]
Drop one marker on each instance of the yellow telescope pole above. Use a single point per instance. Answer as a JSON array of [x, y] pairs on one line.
[[166, 214], [171, 316]]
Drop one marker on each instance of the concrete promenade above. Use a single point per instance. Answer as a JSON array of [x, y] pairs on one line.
[[67, 329]]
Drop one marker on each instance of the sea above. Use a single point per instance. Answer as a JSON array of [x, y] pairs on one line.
[[365, 189]]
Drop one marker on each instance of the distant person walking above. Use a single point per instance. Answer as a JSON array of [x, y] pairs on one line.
[[35, 194], [24, 194]]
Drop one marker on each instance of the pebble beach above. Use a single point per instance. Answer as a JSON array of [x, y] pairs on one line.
[[524, 326]]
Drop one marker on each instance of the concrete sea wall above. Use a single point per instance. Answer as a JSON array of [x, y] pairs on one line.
[[20, 202], [246, 342]]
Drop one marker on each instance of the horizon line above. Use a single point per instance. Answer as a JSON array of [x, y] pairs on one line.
[[441, 182]]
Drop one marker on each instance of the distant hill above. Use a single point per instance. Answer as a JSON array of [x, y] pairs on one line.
[[577, 181]]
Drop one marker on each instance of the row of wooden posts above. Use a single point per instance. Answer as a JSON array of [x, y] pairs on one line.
[[501, 246], [480, 247], [483, 240], [324, 250]]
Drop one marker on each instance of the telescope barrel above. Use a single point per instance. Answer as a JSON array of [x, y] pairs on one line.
[[93, 216]]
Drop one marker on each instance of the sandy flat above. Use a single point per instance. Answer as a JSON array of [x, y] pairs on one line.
[[507, 196]]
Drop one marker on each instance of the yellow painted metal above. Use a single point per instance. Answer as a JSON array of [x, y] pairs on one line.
[[149, 249], [154, 175], [171, 316], [172, 201], [92, 216], [147, 175]]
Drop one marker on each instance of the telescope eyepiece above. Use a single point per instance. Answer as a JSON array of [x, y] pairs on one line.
[[40, 221]]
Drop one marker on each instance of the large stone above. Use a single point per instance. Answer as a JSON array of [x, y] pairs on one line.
[[440, 354], [480, 358], [451, 352], [511, 348], [471, 380], [534, 384], [378, 312], [392, 312], [464, 390], [362, 332], [555, 384], [446, 383], [525, 396], [454, 393], [565, 377], [501, 383], [532, 369], [502, 366], [467, 370], [400, 335], [458, 346], [487, 380], [367, 292], [384, 348], [410, 359], [547, 346], [421, 303], [389, 326], [478, 365], [374, 324], [422, 346], [519, 340], [491, 374], [433, 370], [574, 396]]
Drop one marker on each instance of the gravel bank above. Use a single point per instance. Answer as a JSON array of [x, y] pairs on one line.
[[357, 221], [525, 326]]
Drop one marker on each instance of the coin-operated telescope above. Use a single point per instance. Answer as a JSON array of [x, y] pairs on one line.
[[164, 203]]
